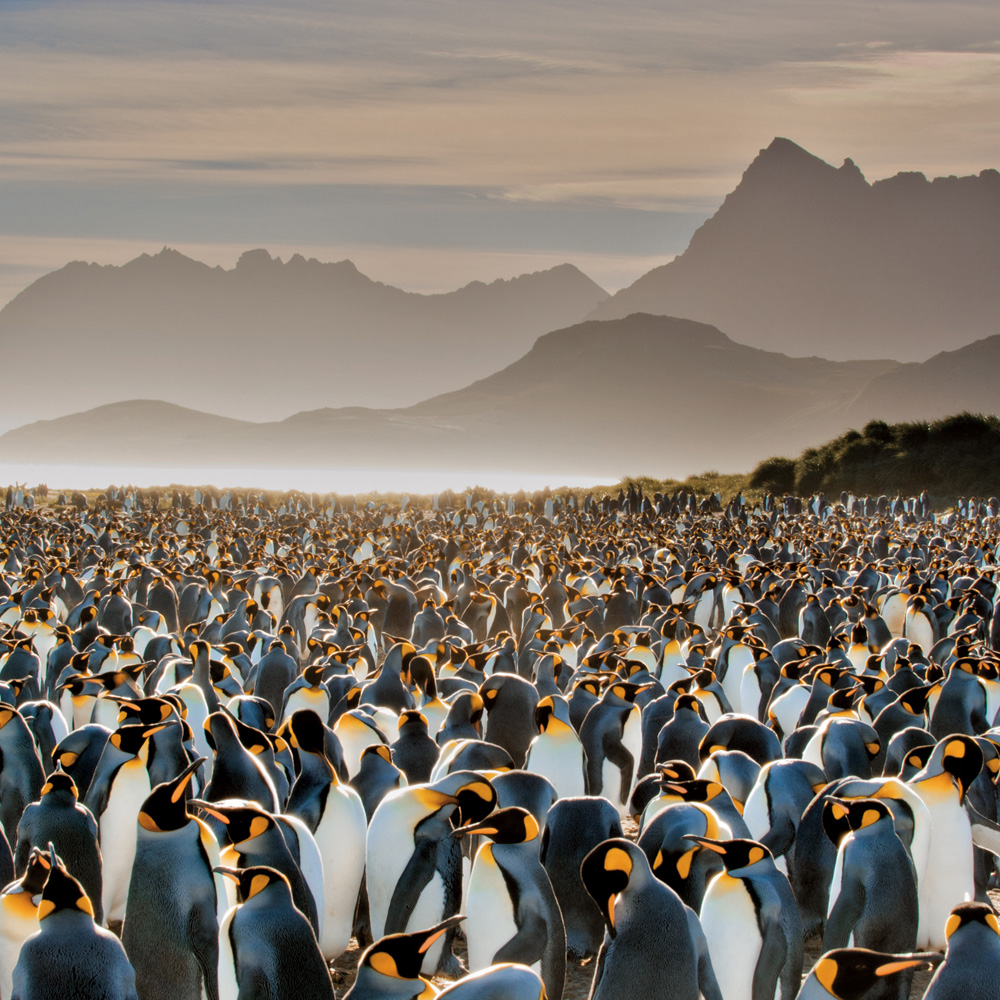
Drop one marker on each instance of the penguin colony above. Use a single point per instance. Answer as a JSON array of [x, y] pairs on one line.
[[673, 737]]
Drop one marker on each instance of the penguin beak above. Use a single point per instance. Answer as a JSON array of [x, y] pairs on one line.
[[707, 843], [473, 828]]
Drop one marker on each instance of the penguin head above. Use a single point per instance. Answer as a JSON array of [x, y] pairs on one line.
[[62, 892], [147, 711], [243, 823], [134, 740], [970, 914], [849, 973], [414, 719], [37, 871], [512, 825], [675, 770], [165, 808], [253, 880], [306, 732], [955, 763], [736, 855], [59, 783], [399, 956], [605, 872]]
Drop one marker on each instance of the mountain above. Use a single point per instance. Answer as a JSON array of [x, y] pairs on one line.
[[646, 394], [266, 336], [949, 382], [804, 257]]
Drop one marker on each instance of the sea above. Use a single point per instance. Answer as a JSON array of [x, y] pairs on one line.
[[328, 480]]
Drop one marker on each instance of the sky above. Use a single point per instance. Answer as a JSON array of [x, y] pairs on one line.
[[434, 142]]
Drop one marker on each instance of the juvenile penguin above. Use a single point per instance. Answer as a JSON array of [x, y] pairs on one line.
[[654, 945], [70, 956], [171, 927], [267, 947], [752, 924], [512, 912]]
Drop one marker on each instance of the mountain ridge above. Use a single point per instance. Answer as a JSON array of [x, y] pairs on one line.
[[805, 257]]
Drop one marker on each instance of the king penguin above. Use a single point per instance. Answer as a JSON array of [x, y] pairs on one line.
[[654, 945], [849, 973], [267, 948], [70, 957], [512, 913], [971, 968], [335, 815], [752, 924], [171, 926]]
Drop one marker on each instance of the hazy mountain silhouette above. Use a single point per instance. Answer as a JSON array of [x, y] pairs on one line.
[[265, 337], [949, 382], [803, 257], [645, 394]]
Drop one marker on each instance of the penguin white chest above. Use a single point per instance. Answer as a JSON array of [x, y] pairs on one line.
[[558, 757], [118, 835], [490, 924], [729, 920]]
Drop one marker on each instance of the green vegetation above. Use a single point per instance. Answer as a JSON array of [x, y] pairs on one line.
[[951, 457]]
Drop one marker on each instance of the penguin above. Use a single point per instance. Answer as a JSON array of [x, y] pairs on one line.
[[79, 753], [972, 960], [267, 947], [611, 735], [741, 732], [19, 913], [413, 864], [377, 776], [21, 776], [557, 752], [653, 945], [873, 893], [335, 815], [257, 838], [774, 807], [58, 820], [171, 927], [120, 786], [681, 735], [752, 924], [942, 786], [69, 955], [391, 966], [574, 827], [672, 858], [510, 701], [511, 910], [506, 981], [239, 771], [415, 752], [849, 973], [530, 791]]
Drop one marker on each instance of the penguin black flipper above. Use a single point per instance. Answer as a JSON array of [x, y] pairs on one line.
[[779, 839], [845, 914], [708, 985], [617, 754], [528, 945], [416, 876], [205, 947], [773, 954], [985, 831]]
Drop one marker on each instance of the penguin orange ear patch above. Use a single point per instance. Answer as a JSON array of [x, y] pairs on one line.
[[385, 964], [953, 924], [617, 860]]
